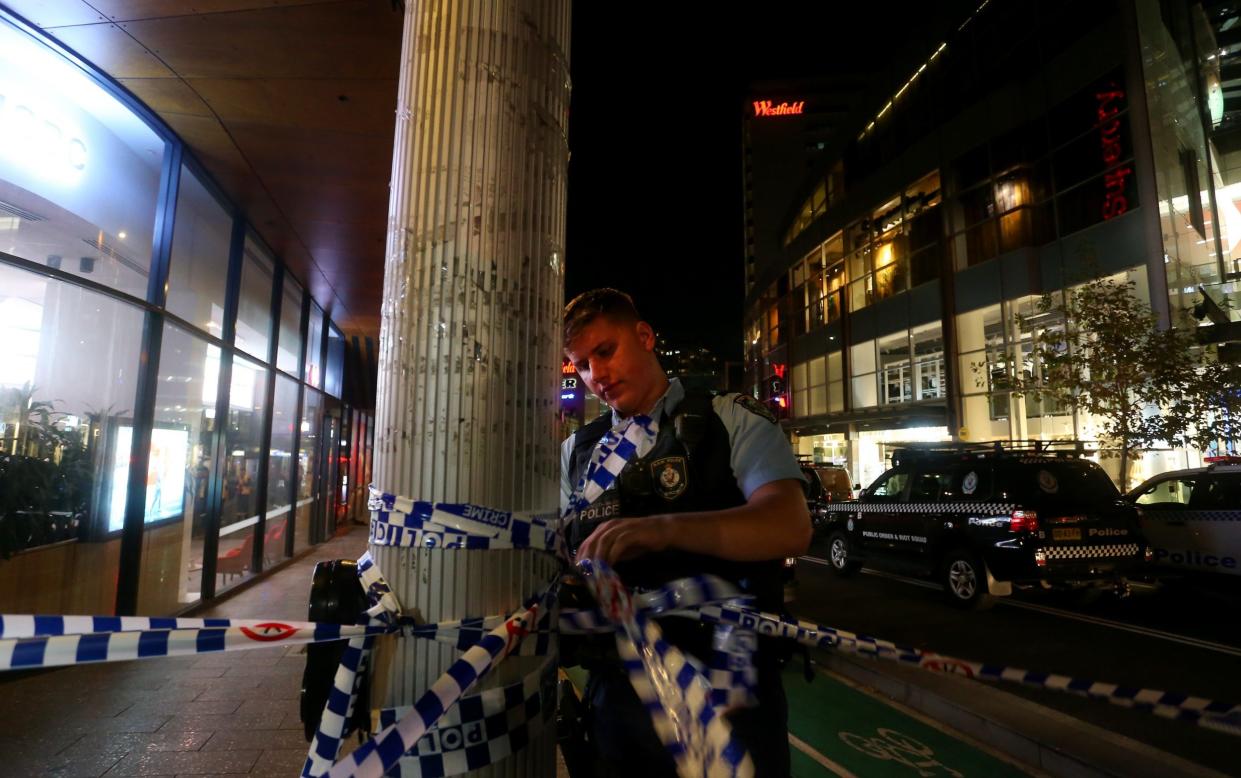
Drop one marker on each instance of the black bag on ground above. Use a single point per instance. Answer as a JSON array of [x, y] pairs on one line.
[[336, 597]]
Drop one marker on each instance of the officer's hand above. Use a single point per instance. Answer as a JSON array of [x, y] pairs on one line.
[[620, 539]]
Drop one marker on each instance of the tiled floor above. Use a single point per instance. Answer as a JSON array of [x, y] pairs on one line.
[[218, 714]]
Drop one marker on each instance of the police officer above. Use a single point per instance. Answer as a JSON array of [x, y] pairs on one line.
[[719, 492]]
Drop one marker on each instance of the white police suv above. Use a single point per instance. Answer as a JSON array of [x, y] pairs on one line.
[[1193, 518], [983, 518]]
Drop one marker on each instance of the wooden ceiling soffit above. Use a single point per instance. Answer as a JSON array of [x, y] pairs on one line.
[[130, 10], [358, 286], [326, 296], [167, 96], [337, 266], [209, 142], [112, 49], [360, 325], [330, 242], [314, 155], [364, 107], [341, 40], [361, 208], [296, 258]]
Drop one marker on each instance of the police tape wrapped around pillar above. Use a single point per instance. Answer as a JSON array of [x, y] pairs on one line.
[[468, 365]]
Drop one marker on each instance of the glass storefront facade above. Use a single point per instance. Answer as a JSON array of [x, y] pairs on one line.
[[158, 436], [988, 182]]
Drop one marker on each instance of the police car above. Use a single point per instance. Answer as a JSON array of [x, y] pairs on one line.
[[1193, 518], [823, 484], [983, 518]]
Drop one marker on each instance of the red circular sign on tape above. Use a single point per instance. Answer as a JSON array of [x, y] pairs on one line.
[[517, 630], [269, 631], [952, 666]]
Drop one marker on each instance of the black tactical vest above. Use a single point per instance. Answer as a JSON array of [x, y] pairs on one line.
[[687, 470]]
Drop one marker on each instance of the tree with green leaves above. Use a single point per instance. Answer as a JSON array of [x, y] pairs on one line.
[[1097, 350]]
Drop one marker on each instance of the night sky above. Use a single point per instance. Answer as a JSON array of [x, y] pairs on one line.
[[655, 187]]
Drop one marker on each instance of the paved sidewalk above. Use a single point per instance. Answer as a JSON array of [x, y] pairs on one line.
[[220, 714]]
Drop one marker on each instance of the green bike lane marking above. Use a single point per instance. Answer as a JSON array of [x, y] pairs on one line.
[[859, 735]]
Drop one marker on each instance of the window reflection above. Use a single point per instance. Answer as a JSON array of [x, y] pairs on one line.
[[239, 512], [895, 369], [314, 347], [309, 480], [898, 247], [254, 301], [928, 344], [84, 203], [198, 270], [334, 370], [280, 470], [182, 460], [289, 345], [68, 361]]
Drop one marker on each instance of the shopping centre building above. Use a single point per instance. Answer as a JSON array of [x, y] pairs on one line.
[[1038, 145], [180, 408]]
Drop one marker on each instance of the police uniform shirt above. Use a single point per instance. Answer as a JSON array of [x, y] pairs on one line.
[[759, 452]]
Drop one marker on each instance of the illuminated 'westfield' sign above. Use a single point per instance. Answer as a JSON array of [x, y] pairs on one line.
[[767, 108], [1111, 101]]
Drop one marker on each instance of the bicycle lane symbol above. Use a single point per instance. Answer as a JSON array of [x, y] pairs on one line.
[[894, 746]]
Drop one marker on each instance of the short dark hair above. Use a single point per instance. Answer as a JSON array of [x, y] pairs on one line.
[[588, 306]]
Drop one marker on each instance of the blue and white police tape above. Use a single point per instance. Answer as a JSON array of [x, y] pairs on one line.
[[673, 597], [380, 754], [338, 710], [56, 641], [1211, 714], [501, 720], [633, 437], [672, 687], [400, 521], [383, 603], [28, 642], [384, 610], [730, 669]]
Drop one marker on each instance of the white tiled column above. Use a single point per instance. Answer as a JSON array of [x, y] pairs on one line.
[[469, 354]]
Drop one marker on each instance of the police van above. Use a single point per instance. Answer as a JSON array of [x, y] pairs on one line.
[[984, 518], [1193, 518]]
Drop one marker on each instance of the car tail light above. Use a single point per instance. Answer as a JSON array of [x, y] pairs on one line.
[[1023, 521]]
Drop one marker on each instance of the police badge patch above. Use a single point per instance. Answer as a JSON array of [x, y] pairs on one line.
[[754, 406], [670, 477]]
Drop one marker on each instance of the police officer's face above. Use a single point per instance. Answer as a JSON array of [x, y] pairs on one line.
[[617, 362]]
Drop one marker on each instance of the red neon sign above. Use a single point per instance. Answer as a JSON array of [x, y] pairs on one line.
[[1114, 201], [780, 369], [567, 368], [768, 108]]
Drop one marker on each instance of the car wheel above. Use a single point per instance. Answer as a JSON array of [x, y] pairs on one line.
[[840, 555], [965, 581]]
